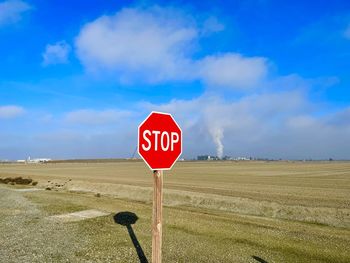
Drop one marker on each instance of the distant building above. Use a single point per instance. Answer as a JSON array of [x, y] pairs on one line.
[[242, 159], [207, 158], [38, 160]]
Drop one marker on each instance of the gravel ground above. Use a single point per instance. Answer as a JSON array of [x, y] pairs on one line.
[[27, 236], [190, 234]]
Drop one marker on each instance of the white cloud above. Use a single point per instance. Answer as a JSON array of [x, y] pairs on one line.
[[11, 11], [56, 53], [340, 118], [232, 70], [95, 117], [157, 45], [274, 125], [10, 111], [212, 24], [151, 42]]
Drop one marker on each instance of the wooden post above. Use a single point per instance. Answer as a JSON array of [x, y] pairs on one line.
[[157, 216]]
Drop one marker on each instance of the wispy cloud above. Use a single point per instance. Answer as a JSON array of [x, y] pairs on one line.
[[347, 32], [10, 111], [233, 70], [275, 125], [11, 11], [56, 53], [211, 25]]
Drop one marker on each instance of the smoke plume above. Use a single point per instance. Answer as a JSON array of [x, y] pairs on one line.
[[218, 135]]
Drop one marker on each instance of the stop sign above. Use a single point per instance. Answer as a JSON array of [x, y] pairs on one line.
[[159, 141]]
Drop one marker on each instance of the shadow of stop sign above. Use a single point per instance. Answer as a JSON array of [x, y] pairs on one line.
[[159, 141]]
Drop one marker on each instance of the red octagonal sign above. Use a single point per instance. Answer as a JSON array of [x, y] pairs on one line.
[[159, 141]]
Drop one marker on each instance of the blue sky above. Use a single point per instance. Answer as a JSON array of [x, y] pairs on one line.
[[243, 78]]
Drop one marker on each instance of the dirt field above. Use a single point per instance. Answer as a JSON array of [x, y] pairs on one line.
[[214, 212]]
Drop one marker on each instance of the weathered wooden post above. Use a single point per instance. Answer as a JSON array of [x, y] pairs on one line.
[[157, 216]]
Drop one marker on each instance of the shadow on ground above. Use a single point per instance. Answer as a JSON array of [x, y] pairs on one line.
[[127, 219], [259, 259]]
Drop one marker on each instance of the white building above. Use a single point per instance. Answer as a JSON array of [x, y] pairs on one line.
[[38, 160]]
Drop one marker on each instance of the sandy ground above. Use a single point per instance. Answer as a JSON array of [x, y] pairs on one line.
[[232, 212], [315, 192]]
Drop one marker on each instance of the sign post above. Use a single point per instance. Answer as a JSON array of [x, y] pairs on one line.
[[159, 145], [157, 216]]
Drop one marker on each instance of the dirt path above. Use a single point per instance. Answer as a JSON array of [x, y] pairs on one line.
[[27, 236]]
